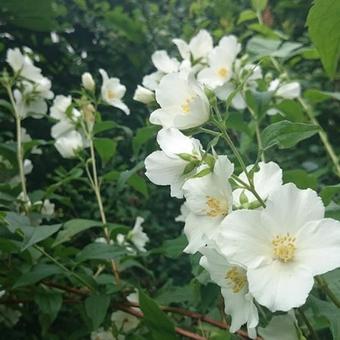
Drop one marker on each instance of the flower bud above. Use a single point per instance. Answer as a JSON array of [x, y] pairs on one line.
[[89, 115], [88, 81], [143, 95]]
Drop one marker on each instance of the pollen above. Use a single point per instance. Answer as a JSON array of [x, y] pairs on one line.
[[236, 278], [186, 106], [222, 72], [284, 247], [216, 207], [111, 94]]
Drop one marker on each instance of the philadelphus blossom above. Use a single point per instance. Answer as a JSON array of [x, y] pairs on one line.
[[168, 167], [88, 82], [220, 63], [287, 91], [137, 236], [26, 138], [198, 48], [266, 180], [102, 334], [232, 279], [283, 246], [113, 91], [209, 200], [183, 103], [143, 95], [164, 63], [69, 144]]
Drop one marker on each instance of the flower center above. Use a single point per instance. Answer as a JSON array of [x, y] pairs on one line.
[[216, 207], [111, 94], [236, 278], [186, 105], [284, 247], [222, 72]]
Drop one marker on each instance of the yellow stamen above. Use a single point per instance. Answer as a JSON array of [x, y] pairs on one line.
[[222, 72], [111, 94], [236, 278], [216, 207], [284, 247]]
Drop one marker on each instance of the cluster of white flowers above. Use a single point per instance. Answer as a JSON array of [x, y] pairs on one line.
[[75, 118], [262, 242], [32, 89]]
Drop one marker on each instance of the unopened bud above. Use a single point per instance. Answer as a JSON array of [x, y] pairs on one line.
[[88, 81]]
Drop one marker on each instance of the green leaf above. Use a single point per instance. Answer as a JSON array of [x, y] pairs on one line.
[[74, 227], [286, 134], [174, 248], [259, 5], [142, 136], [323, 23], [246, 15], [96, 307], [99, 251], [106, 148], [301, 178], [49, 303], [317, 96], [156, 320], [39, 272], [40, 233], [125, 175], [104, 126], [139, 184], [328, 193], [258, 102]]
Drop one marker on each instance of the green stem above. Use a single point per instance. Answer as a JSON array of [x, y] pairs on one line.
[[311, 330], [322, 133], [20, 156], [96, 187], [259, 140], [325, 288]]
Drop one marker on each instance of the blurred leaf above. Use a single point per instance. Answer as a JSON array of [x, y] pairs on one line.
[[286, 134], [246, 15], [323, 23], [39, 272], [125, 175], [156, 320], [258, 102], [174, 248], [259, 5], [327, 193], [142, 136], [317, 96], [96, 307], [301, 178], [139, 184], [103, 126], [99, 251], [106, 148], [292, 110], [40, 233], [49, 303], [37, 15], [74, 227]]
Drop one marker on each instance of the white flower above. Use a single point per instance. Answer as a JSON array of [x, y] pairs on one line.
[[232, 279], [113, 91], [151, 81], [26, 138], [164, 63], [143, 95], [220, 63], [124, 322], [183, 103], [102, 334], [36, 106], [283, 246], [137, 236], [167, 167], [199, 46], [266, 180], [28, 166], [87, 81], [287, 91], [69, 143], [59, 107], [209, 199], [47, 208], [280, 327], [23, 64]]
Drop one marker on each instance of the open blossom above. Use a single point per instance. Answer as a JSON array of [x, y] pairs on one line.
[[209, 199], [69, 143], [143, 95], [198, 48], [287, 91], [238, 302], [47, 208], [22, 64], [283, 246], [164, 63], [220, 63], [137, 236], [266, 180], [183, 103], [167, 167], [113, 91], [102, 334]]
